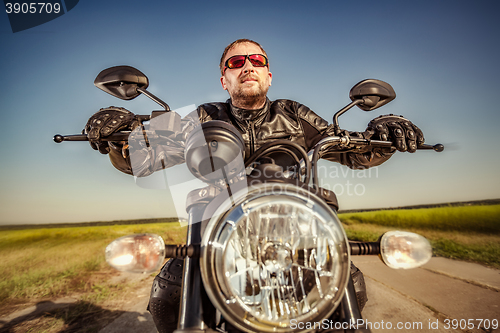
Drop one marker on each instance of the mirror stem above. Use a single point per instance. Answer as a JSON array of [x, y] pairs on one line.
[[154, 98], [336, 126]]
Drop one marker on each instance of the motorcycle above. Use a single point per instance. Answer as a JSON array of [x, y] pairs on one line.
[[265, 250]]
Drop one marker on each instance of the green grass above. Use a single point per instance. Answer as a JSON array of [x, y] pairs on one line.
[[469, 233], [48, 263], [483, 219]]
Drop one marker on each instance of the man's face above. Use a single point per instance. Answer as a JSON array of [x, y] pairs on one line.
[[248, 83]]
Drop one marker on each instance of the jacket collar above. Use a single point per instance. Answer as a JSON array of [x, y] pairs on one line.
[[245, 116]]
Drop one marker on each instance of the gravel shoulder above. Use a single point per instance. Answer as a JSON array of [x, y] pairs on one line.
[[135, 318]]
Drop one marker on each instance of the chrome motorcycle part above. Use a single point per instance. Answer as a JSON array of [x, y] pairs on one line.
[[287, 147], [401, 249], [139, 253], [215, 150], [273, 256]]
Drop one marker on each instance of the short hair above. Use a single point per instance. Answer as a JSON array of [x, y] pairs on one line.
[[233, 44]]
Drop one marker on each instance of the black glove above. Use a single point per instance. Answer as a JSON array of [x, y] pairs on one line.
[[403, 133], [106, 122]]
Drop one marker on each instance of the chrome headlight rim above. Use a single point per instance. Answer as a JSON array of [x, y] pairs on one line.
[[214, 251]]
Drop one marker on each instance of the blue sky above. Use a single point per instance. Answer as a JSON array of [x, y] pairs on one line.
[[441, 57]]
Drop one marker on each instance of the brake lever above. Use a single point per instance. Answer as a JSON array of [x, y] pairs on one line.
[[437, 147], [118, 136]]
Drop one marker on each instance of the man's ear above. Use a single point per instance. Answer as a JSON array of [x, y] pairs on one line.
[[270, 78], [223, 82]]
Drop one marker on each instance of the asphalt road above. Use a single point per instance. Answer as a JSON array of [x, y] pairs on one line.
[[429, 298], [425, 299]]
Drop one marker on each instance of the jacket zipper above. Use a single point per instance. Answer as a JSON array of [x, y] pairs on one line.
[[251, 129]]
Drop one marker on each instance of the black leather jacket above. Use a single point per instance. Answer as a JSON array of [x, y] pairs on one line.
[[280, 119]]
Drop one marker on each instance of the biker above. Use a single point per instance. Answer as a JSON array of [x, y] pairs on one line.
[[246, 77]]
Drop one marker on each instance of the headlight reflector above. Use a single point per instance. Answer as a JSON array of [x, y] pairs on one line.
[[278, 254]]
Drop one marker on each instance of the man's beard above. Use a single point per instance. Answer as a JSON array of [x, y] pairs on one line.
[[250, 97]]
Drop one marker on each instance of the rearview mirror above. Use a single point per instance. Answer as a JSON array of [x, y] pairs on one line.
[[121, 81], [374, 94]]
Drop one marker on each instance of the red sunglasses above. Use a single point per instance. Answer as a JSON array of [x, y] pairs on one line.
[[238, 61]]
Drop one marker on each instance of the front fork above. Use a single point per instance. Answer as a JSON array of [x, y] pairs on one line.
[[191, 315]]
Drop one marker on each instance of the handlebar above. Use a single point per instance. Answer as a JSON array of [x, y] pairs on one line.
[[323, 145], [345, 141], [333, 140]]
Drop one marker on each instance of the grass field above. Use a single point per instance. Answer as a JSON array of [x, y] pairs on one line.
[[469, 233], [40, 264]]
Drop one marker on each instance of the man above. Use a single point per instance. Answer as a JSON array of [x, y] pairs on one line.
[[246, 77]]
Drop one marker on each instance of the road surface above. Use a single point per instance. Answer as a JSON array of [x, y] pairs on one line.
[[429, 298]]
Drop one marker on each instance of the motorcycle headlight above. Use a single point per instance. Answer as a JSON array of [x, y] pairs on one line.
[[273, 258]]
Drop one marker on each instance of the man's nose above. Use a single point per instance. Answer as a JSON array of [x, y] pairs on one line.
[[248, 67]]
